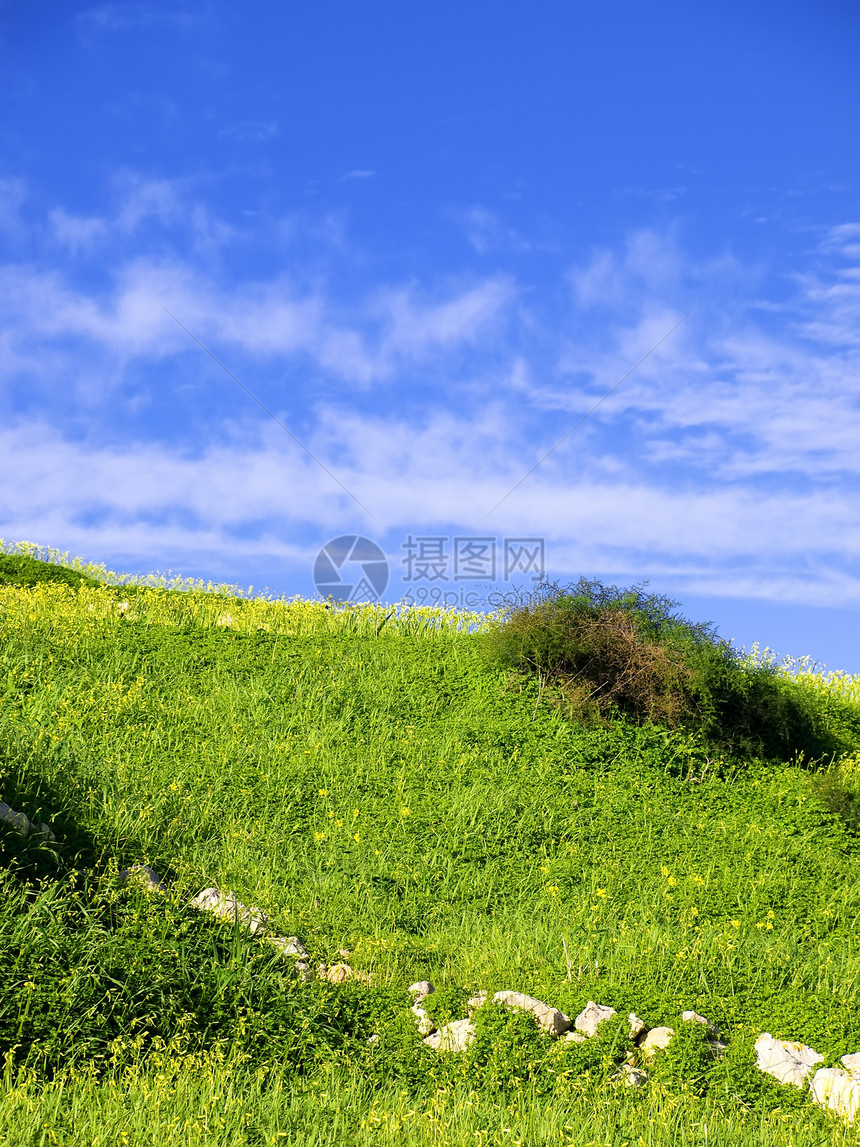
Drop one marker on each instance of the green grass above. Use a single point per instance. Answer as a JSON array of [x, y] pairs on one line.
[[373, 784]]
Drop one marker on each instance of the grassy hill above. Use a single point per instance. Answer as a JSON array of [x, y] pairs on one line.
[[377, 784]]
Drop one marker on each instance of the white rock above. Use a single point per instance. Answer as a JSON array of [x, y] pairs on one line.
[[475, 1002], [575, 1037], [420, 990], [695, 1018], [22, 823], [455, 1036], [591, 1016], [338, 973], [425, 1024], [786, 1060], [834, 1088], [225, 906], [17, 820], [289, 946], [637, 1026], [632, 1076], [852, 1063], [144, 875], [550, 1019], [657, 1039]]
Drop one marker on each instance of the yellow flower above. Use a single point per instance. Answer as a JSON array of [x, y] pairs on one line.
[[664, 870], [601, 892], [405, 812], [694, 911], [319, 836], [323, 793], [357, 837], [672, 881], [736, 923], [339, 823]]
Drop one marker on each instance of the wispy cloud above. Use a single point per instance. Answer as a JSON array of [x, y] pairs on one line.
[[486, 232], [727, 463], [250, 131], [122, 17]]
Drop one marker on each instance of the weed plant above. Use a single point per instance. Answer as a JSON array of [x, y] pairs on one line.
[[624, 652], [365, 777]]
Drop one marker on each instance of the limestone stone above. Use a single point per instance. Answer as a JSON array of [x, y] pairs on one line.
[[425, 1023], [289, 946], [632, 1076], [22, 823], [637, 1026], [852, 1064], [455, 1036], [16, 820], [337, 973], [420, 990], [550, 1019], [657, 1039], [575, 1037], [834, 1088], [591, 1016], [695, 1018], [786, 1060], [225, 906], [145, 876], [475, 1002]]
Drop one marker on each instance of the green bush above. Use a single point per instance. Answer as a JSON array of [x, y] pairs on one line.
[[612, 652]]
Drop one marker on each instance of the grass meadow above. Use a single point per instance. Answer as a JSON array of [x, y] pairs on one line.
[[373, 783]]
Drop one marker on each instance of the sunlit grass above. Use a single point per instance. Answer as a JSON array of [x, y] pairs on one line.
[[361, 775]]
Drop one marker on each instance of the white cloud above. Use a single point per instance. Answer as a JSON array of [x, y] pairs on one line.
[[487, 232], [125, 16], [251, 131], [12, 196], [727, 462], [149, 499]]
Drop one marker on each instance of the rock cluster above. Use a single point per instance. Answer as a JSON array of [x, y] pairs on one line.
[[787, 1061], [790, 1062], [23, 825]]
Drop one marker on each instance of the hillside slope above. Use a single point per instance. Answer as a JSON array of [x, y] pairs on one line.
[[373, 786]]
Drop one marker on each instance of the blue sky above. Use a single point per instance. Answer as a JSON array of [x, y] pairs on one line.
[[429, 238]]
